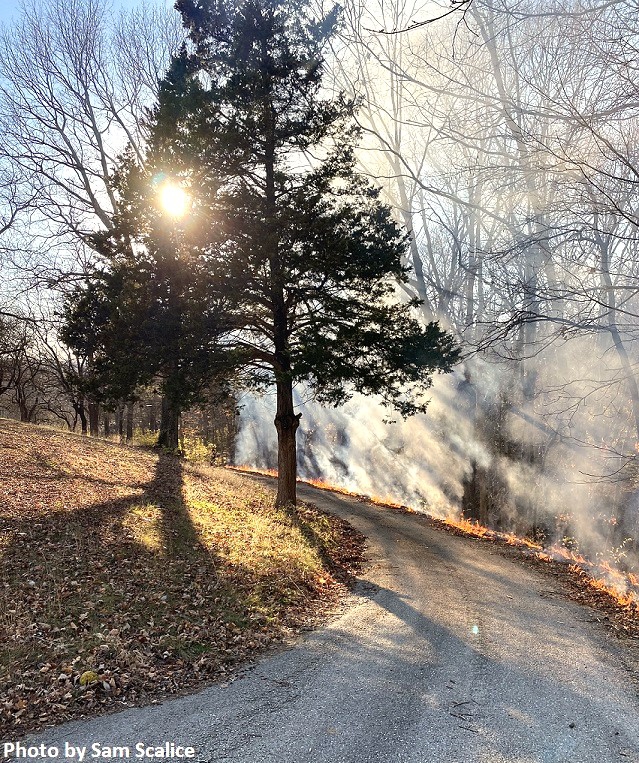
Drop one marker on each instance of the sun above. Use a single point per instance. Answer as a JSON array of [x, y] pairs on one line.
[[174, 200]]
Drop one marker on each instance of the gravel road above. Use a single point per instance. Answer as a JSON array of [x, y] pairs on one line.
[[448, 652]]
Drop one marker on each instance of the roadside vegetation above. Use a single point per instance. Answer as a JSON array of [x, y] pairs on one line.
[[128, 575]]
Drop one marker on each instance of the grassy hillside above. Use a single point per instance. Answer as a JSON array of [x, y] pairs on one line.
[[127, 575]]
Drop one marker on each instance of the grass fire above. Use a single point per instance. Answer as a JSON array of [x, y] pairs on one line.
[[622, 587]]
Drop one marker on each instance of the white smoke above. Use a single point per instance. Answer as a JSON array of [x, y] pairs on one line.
[[363, 447], [427, 461]]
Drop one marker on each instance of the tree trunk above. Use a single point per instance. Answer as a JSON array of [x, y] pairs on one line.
[[81, 411], [129, 422], [120, 417], [94, 419], [22, 403], [286, 423], [610, 302], [169, 426], [153, 424], [107, 425]]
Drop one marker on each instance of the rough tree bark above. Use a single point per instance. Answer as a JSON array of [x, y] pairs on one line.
[[169, 426], [80, 410], [120, 420], [94, 418], [286, 420], [286, 423], [129, 422]]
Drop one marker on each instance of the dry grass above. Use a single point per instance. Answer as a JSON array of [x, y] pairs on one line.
[[127, 575]]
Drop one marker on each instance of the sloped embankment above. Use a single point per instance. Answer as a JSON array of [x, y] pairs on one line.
[[127, 575]]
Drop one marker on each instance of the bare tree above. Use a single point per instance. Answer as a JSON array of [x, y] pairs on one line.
[[507, 145], [74, 87]]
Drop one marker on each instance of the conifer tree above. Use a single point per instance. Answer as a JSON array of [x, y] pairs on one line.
[[301, 241], [148, 317], [298, 246]]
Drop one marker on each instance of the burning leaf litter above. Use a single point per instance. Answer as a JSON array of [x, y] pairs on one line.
[[622, 588], [601, 576]]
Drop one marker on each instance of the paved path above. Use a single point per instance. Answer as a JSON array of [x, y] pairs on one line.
[[450, 653]]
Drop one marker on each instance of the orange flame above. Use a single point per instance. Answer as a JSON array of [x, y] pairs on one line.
[[601, 576], [322, 485], [622, 587]]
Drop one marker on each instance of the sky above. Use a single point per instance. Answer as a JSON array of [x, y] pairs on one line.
[[9, 8]]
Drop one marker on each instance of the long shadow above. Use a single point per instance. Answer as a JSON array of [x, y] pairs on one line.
[[75, 569], [124, 585], [480, 586], [435, 680], [353, 692], [368, 688], [176, 525], [104, 520]]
